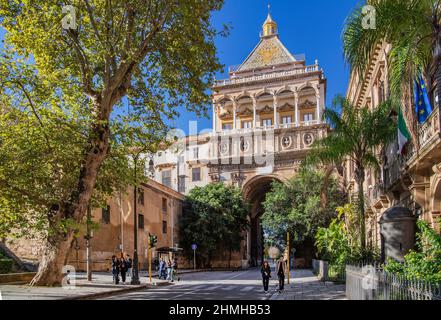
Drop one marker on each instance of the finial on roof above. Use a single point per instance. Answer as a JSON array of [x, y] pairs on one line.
[[269, 26]]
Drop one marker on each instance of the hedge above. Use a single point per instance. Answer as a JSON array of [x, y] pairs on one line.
[[5, 265]]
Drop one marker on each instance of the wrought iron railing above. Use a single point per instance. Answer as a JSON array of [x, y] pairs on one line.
[[370, 282]]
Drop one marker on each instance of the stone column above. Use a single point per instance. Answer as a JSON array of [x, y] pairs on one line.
[[254, 112], [214, 118], [276, 114], [319, 114], [296, 109], [234, 115]]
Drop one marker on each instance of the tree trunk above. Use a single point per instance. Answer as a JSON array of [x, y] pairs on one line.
[[325, 185], [55, 255], [58, 246], [360, 176]]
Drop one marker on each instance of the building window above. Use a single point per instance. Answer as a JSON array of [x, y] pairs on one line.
[[181, 184], [247, 125], [381, 93], [164, 205], [227, 126], [307, 117], [196, 174], [164, 227], [166, 178], [267, 123], [105, 215], [286, 120], [141, 196], [140, 221]]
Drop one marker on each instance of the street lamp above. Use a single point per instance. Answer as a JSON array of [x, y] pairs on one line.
[[135, 276]]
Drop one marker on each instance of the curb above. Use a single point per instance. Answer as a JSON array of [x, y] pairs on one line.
[[117, 292]]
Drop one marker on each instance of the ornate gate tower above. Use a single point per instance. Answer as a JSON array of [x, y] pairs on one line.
[[266, 116]]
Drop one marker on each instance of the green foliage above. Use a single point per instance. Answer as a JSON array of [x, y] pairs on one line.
[[340, 242], [425, 263], [357, 134], [214, 217], [295, 206], [77, 104]]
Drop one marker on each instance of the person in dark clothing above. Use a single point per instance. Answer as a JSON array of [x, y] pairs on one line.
[[129, 263], [115, 269], [280, 271], [123, 269], [266, 275]]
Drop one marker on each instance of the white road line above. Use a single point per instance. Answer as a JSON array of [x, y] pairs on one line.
[[246, 289]]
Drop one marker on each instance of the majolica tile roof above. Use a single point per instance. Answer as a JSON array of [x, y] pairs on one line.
[[270, 51]]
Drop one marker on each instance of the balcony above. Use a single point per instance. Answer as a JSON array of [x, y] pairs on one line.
[[267, 76], [302, 124]]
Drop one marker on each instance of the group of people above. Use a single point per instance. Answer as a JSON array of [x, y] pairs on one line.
[[121, 266], [280, 272], [168, 270]]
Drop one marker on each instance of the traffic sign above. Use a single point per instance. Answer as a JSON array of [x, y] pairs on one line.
[[194, 246]]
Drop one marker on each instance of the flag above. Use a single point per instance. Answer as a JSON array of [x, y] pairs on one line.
[[403, 133], [422, 103]]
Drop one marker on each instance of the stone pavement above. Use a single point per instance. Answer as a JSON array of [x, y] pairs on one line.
[[101, 285], [305, 286]]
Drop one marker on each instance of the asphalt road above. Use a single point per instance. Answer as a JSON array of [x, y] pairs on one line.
[[239, 285]]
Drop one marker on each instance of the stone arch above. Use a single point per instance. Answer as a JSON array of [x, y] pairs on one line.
[[254, 191]]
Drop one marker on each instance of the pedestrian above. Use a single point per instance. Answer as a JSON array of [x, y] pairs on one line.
[[266, 275], [169, 270], [115, 270], [129, 263], [175, 269], [161, 268], [280, 271], [123, 268]]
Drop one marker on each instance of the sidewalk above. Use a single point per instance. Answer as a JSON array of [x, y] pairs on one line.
[[101, 285], [305, 286]]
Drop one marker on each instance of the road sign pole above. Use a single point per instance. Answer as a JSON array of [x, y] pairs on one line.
[[289, 257], [150, 262], [194, 259]]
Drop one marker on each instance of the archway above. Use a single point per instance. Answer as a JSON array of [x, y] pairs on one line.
[[254, 192]]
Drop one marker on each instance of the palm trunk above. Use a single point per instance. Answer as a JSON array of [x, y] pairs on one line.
[[325, 185], [59, 244], [360, 176]]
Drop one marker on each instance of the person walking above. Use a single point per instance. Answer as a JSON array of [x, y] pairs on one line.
[[115, 270], [169, 270], [161, 269], [123, 269], [266, 275], [129, 263], [280, 271], [175, 269]]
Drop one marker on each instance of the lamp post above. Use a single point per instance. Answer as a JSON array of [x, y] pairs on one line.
[[88, 237], [135, 276]]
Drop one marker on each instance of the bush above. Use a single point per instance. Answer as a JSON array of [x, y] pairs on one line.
[[423, 264], [5, 265]]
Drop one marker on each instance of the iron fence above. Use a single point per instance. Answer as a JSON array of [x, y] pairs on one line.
[[370, 282]]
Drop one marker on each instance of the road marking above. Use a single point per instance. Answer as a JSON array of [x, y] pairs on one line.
[[238, 275], [246, 289]]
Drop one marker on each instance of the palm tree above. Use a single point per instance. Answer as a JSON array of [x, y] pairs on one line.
[[413, 29], [357, 133]]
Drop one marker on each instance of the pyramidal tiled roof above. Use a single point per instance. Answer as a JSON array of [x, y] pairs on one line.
[[270, 51]]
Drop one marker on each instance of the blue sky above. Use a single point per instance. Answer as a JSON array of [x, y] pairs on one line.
[[311, 27]]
